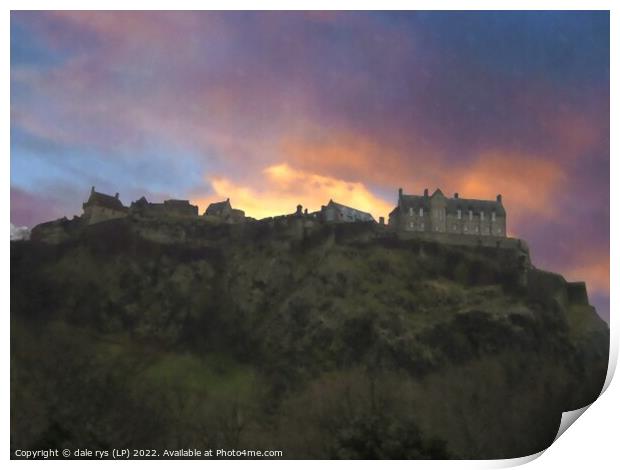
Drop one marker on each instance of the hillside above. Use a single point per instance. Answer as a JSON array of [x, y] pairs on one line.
[[341, 342]]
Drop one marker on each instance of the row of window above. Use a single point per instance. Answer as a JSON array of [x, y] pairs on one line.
[[458, 214], [420, 227]]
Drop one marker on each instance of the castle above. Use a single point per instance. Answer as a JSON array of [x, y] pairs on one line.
[[446, 219], [225, 212], [100, 207], [334, 212], [438, 214]]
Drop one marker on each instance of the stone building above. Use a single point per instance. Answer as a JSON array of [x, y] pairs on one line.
[[334, 212], [225, 212], [439, 214], [170, 207], [101, 207]]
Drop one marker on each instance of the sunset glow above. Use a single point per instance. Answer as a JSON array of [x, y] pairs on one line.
[[274, 109]]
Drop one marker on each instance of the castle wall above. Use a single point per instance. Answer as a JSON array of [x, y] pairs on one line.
[[412, 221], [96, 214], [437, 222], [438, 214], [577, 293], [222, 213], [473, 241], [164, 209]]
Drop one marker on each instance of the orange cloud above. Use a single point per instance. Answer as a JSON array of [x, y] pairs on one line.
[[283, 187], [593, 267], [350, 155], [576, 134], [527, 183]]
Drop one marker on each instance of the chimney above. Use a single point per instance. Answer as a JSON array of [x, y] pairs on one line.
[[400, 193], [116, 195], [499, 198], [426, 193], [92, 189], [381, 220], [306, 211], [299, 207], [456, 195]]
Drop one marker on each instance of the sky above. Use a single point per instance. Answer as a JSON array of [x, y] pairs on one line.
[[275, 109]]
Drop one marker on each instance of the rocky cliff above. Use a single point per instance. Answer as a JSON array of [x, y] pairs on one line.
[[336, 342]]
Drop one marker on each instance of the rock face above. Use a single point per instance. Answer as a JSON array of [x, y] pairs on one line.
[[337, 342]]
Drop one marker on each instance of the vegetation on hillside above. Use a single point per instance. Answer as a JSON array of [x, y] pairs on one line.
[[336, 345]]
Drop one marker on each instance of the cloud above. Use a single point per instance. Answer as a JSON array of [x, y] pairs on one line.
[[591, 266], [19, 233], [282, 187], [529, 184], [377, 160], [288, 108], [30, 208]]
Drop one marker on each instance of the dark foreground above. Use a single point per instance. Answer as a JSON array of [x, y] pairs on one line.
[[336, 345]]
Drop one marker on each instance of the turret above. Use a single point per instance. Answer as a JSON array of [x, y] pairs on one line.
[[456, 195], [499, 198], [426, 192], [116, 196]]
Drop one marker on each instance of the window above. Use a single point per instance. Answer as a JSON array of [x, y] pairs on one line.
[[481, 215], [493, 216], [458, 214], [411, 211], [465, 228], [476, 229], [410, 224], [421, 212], [471, 215], [454, 228], [422, 226]]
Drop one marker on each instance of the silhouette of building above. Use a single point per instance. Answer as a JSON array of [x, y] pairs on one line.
[[334, 212], [101, 207], [225, 212], [170, 207]]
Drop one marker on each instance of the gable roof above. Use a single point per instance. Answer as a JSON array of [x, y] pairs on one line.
[[475, 205], [415, 202], [350, 210], [407, 201], [218, 207], [104, 200], [177, 203]]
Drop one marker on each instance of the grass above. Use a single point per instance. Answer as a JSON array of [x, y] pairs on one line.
[[214, 374]]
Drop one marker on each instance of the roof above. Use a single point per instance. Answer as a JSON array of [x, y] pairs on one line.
[[217, 207], [104, 200], [475, 205], [407, 201], [177, 202], [344, 208], [453, 204]]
